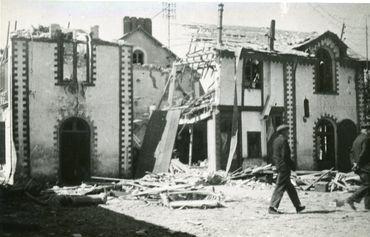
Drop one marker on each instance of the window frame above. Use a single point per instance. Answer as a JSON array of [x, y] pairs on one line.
[[61, 80]]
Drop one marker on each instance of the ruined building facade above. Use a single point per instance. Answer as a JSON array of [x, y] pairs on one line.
[[68, 114], [315, 87]]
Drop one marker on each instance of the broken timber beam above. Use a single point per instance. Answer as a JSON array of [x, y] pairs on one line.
[[195, 204], [163, 189], [318, 179]]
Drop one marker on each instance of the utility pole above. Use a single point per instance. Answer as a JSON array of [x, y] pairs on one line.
[[342, 33], [169, 11]]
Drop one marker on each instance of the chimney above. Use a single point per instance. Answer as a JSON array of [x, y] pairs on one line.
[[94, 32], [132, 23], [220, 11], [127, 25], [54, 31], [272, 35]]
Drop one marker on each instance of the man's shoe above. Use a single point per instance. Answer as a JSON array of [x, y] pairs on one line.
[[273, 210], [300, 208], [351, 204]]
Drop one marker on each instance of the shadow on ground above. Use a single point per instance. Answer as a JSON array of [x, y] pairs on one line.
[[21, 217]]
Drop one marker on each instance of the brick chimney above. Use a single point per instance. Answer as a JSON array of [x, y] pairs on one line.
[[132, 23]]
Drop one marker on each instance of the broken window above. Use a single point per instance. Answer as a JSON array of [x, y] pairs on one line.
[[254, 144], [252, 75], [82, 62], [138, 57], [74, 58], [67, 61], [324, 70]]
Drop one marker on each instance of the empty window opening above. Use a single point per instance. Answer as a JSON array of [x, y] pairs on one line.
[[252, 74], [324, 68], [138, 57]]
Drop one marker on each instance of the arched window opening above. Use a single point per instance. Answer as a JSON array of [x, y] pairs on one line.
[[138, 57], [324, 80]]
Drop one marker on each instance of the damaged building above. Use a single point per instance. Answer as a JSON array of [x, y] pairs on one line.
[[315, 85], [67, 105]]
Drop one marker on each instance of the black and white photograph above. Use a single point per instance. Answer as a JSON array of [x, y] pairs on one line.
[[184, 118]]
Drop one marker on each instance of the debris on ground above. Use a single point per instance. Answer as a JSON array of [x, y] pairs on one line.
[[182, 187]]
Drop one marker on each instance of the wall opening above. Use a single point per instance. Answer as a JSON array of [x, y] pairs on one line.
[[347, 132], [252, 74], [199, 148], [138, 57], [325, 145], [74, 151], [325, 79], [254, 144]]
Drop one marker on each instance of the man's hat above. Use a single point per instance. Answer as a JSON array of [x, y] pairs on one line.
[[282, 127], [365, 126]]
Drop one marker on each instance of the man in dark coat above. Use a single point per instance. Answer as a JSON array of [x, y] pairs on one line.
[[361, 165], [284, 165]]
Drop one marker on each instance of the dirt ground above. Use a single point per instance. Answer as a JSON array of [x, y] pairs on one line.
[[245, 214]]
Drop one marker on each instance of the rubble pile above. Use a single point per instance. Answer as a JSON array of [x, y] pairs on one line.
[[183, 186]]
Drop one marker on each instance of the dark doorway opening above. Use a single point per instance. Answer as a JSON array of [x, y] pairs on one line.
[[74, 151], [347, 132], [199, 149], [325, 144]]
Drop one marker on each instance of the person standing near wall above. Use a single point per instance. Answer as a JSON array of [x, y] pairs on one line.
[[284, 166], [361, 165]]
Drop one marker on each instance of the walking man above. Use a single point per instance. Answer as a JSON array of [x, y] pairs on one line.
[[361, 165], [284, 165]]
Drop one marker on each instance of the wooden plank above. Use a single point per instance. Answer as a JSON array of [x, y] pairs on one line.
[[163, 189], [195, 204], [164, 149], [152, 137]]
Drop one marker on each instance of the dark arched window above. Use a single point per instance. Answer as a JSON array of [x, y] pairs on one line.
[[138, 57], [324, 72]]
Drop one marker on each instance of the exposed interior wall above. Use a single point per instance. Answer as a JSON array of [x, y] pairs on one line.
[[153, 52], [148, 86], [51, 104], [339, 107]]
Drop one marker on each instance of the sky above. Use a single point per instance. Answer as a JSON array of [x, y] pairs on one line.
[[301, 16]]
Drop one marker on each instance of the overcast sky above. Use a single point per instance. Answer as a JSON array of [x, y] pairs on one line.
[[309, 16]]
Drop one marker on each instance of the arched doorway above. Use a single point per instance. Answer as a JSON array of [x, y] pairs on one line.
[[325, 144], [346, 134], [74, 150]]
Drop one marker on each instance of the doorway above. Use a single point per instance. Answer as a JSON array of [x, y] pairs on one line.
[[74, 151], [347, 132], [325, 145]]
